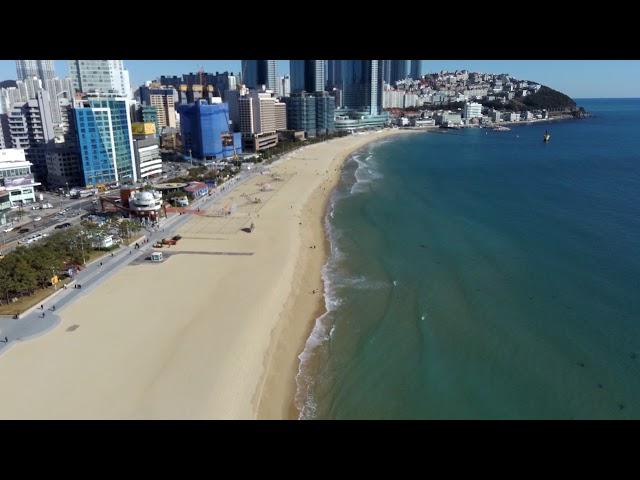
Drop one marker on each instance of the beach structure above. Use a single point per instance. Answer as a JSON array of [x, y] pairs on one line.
[[156, 257]]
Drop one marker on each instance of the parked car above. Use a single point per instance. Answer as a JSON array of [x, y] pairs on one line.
[[37, 219], [23, 230], [8, 229], [63, 225]]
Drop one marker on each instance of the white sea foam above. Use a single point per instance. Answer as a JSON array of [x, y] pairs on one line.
[[322, 330], [365, 173]]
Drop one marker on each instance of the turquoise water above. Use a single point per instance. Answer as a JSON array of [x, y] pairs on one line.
[[485, 275]]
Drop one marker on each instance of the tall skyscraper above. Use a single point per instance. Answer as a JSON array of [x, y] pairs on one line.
[[42, 69], [103, 128], [362, 86], [397, 70], [259, 72], [416, 69], [334, 74], [385, 71], [104, 76], [307, 75]]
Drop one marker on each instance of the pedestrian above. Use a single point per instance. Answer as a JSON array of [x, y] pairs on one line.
[[41, 307], [129, 252], [53, 308], [100, 264]]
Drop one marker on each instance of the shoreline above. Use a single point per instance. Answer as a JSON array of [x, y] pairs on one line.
[[275, 398], [214, 332]]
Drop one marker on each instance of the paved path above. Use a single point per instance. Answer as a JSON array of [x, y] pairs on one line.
[[32, 324]]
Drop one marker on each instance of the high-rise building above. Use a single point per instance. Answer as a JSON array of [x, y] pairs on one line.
[[5, 135], [397, 70], [285, 86], [31, 128], [259, 72], [8, 98], [41, 69], [205, 131], [334, 74], [301, 113], [313, 113], [281, 115], [307, 75], [59, 91], [257, 113], [103, 76], [325, 113], [103, 126], [416, 69], [258, 120], [162, 99], [362, 86]]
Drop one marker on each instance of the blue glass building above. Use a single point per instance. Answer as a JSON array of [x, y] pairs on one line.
[[362, 86], [205, 131], [307, 75], [103, 128]]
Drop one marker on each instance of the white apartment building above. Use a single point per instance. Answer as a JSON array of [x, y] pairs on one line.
[[16, 177], [257, 113], [100, 76], [472, 110]]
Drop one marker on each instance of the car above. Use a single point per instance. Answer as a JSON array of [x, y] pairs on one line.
[[8, 229], [37, 219], [63, 225], [23, 230]]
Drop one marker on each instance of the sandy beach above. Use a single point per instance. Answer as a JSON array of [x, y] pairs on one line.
[[214, 331]]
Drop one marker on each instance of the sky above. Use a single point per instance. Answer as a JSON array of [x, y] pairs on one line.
[[576, 78]]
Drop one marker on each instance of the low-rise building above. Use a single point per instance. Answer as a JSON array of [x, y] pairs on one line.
[[16, 177]]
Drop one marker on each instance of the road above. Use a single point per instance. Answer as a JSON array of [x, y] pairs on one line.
[[37, 322]]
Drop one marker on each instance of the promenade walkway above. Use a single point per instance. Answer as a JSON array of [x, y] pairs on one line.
[[33, 323]]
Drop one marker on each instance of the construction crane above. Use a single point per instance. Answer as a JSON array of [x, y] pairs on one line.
[[201, 75]]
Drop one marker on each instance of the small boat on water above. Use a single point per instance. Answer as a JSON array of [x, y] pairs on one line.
[[500, 128], [547, 137]]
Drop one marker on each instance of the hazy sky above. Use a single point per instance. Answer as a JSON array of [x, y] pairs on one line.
[[576, 78]]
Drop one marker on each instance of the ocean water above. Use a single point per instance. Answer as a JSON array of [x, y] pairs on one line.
[[484, 275]]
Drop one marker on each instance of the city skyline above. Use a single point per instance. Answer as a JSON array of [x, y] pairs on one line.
[[578, 79]]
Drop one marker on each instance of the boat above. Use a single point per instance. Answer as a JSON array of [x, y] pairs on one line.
[[500, 128], [547, 137]]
